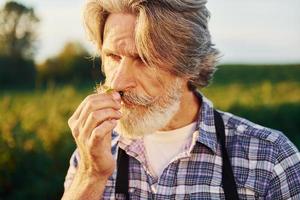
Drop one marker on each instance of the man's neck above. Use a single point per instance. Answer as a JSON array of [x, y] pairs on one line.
[[187, 113]]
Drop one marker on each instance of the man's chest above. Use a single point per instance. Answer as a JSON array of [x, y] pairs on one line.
[[198, 176]]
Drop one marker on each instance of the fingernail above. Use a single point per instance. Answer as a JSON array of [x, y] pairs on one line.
[[116, 96]]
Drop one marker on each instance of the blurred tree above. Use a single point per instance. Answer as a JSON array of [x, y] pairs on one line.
[[16, 72], [73, 64], [18, 25]]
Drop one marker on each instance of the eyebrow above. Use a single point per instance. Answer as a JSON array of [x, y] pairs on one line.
[[130, 53]]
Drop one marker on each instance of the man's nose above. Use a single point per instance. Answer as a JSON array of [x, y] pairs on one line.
[[123, 78]]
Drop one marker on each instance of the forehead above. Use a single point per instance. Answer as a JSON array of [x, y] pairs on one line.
[[119, 33]]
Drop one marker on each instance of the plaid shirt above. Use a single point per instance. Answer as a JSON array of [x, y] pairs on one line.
[[266, 165]]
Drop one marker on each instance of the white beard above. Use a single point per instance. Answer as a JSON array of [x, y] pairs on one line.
[[138, 121]]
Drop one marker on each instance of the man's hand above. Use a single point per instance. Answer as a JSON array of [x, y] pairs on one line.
[[91, 126]]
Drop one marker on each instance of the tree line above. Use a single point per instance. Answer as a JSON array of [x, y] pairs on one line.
[[18, 46]]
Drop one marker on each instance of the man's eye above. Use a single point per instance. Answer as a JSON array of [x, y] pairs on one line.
[[138, 59], [114, 57]]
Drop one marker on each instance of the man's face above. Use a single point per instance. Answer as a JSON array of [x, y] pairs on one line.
[[151, 96]]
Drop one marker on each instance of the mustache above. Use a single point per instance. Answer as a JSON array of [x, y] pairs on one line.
[[137, 99], [130, 96]]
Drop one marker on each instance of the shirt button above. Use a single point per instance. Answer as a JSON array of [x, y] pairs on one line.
[[131, 190], [153, 188]]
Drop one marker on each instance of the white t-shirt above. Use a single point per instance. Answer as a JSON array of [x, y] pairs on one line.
[[162, 146]]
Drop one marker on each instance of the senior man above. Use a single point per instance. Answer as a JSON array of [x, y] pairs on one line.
[[155, 136]]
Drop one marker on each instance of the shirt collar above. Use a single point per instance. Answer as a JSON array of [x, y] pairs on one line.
[[206, 123]]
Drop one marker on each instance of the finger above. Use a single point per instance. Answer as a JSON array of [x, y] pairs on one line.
[[72, 120], [96, 118], [86, 99], [81, 105], [98, 137], [97, 104]]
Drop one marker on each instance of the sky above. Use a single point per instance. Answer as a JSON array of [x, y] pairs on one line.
[[244, 31]]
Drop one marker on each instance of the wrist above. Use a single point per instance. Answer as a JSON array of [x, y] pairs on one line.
[[86, 186], [92, 175]]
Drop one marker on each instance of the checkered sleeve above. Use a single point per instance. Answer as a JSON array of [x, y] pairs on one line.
[[285, 181], [72, 170]]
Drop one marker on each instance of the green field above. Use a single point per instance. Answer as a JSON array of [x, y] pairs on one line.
[[35, 142]]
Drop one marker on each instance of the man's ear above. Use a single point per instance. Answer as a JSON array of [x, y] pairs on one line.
[[191, 86], [188, 84], [187, 81]]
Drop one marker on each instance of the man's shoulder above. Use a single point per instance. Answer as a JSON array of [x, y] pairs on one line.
[[274, 157], [243, 129], [252, 134]]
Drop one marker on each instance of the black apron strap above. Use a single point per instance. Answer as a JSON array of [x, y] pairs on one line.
[[229, 185], [122, 174]]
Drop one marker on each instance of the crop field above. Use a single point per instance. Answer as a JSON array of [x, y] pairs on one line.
[[36, 143]]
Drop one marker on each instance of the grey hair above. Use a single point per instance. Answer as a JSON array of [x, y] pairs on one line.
[[171, 34]]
